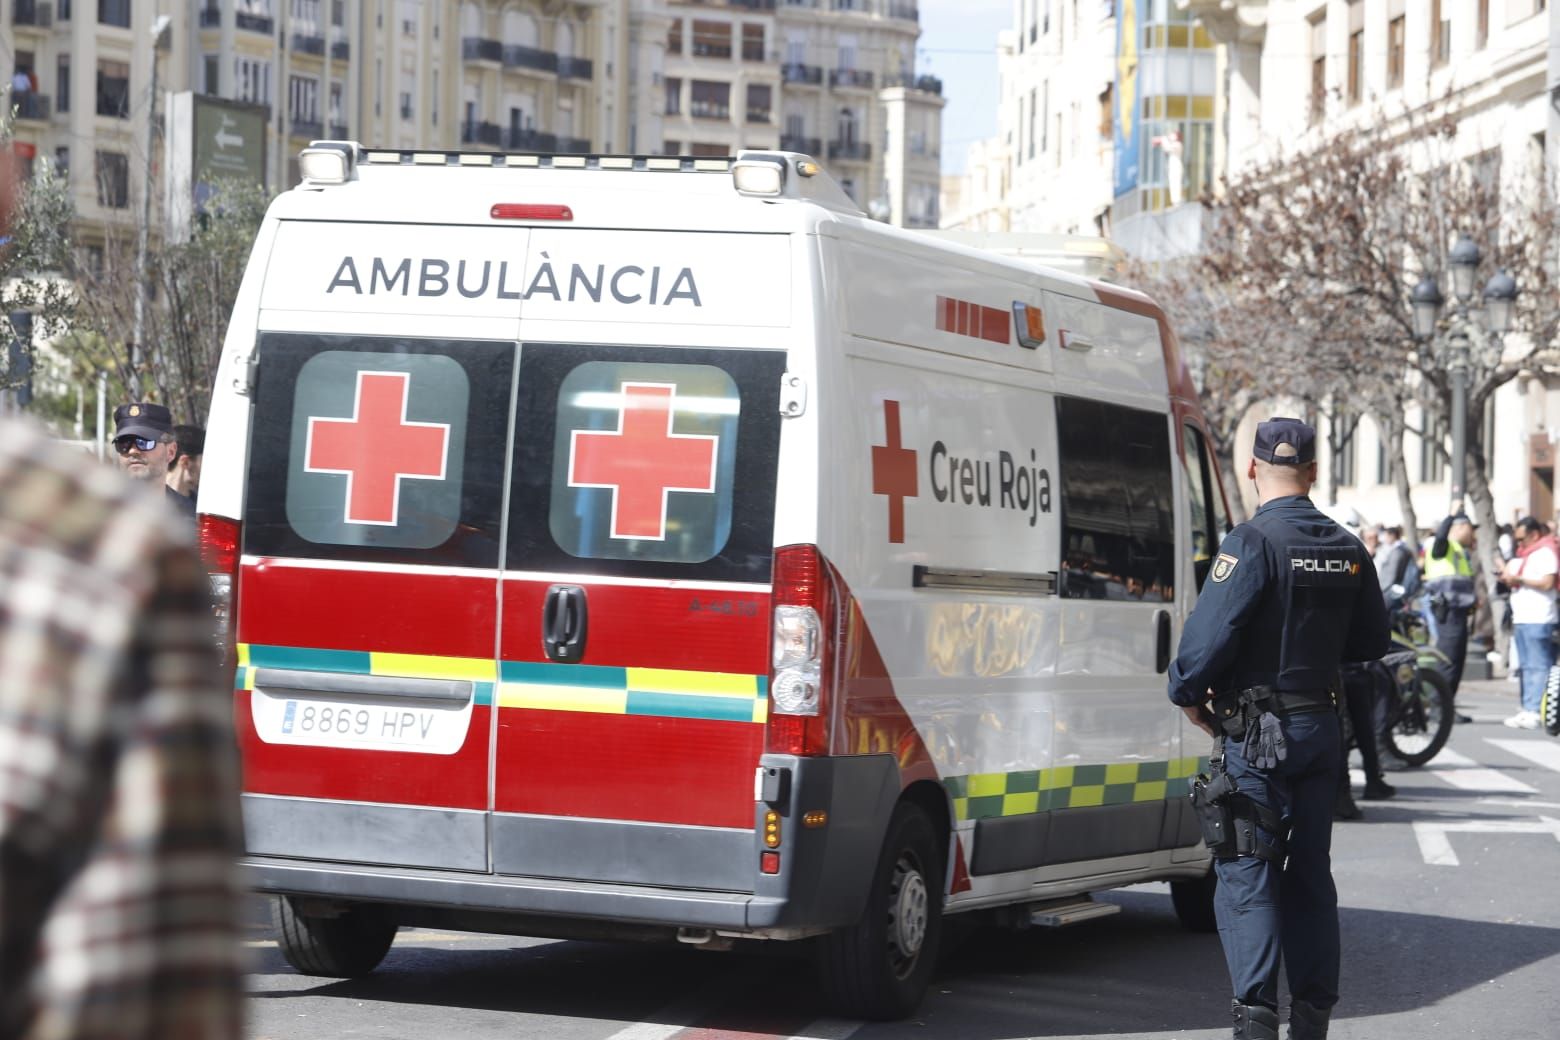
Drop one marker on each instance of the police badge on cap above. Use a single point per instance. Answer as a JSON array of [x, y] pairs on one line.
[[1283, 441]]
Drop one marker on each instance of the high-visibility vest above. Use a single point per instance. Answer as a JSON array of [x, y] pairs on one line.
[[1455, 564]]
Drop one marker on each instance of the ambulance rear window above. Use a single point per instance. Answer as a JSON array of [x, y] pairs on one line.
[[378, 449], [646, 461]]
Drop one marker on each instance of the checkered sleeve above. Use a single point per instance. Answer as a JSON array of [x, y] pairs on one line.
[[143, 942]]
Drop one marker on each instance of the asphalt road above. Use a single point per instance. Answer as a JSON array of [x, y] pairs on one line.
[[1450, 907]]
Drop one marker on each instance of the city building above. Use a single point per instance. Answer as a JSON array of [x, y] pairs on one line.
[[834, 78]]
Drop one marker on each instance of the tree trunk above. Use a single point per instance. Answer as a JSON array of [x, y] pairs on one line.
[[1490, 564], [1231, 483], [1397, 463]]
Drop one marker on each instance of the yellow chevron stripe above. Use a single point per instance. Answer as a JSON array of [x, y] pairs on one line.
[[426, 666], [243, 655], [667, 680]]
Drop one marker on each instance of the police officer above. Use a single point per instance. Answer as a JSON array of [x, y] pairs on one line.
[[144, 441], [1290, 596], [1449, 580]]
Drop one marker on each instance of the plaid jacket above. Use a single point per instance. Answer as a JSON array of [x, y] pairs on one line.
[[119, 826]]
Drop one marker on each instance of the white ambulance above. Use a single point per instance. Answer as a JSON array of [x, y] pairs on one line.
[[658, 548]]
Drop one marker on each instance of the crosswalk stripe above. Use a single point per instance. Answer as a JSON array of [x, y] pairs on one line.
[[1463, 772], [1542, 752], [828, 1029]]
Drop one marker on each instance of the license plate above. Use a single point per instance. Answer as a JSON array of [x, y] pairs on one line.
[[379, 725]]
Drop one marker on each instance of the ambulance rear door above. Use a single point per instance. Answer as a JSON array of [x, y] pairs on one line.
[[634, 646], [367, 616]]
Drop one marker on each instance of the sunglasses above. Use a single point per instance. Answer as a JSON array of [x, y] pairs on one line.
[[124, 444]]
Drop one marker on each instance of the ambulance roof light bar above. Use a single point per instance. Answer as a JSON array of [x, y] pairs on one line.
[[328, 162]]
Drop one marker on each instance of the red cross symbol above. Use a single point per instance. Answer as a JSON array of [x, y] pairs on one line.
[[377, 448], [893, 472], [642, 461]]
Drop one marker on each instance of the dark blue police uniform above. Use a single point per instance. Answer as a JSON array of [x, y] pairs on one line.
[[1290, 596]]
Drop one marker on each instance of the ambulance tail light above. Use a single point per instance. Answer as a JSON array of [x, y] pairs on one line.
[[802, 656], [219, 549]]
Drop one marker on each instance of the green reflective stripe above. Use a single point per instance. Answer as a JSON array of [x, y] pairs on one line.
[[599, 676], [977, 796], [309, 660], [733, 709]]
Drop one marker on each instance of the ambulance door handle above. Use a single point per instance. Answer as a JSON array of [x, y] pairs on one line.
[[1162, 650], [564, 622]]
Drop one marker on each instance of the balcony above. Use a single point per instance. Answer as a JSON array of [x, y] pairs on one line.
[[308, 43], [805, 145], [31, 105], [530, 141], [901, 9], [489, 135], [310, 129], [30, 12], [260, 23], [211, 17], [752, 51], [711, 50], [341, 50], [709, 109], [573, 145], [848, 5], [854, 79], [753, 5], [854, 151], [480, 48], [795, 72], [926, 84], [762, 116], [516, 56], [574, 68]]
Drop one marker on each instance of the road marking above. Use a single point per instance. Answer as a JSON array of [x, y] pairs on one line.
[[1436, 847], [828, 1029], [678, 1015], [1521, 803], [1463, 772], [1542, 752]]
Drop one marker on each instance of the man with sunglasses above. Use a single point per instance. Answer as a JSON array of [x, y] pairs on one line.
[[144, 441]]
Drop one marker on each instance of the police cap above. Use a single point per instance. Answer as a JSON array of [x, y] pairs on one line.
[[143, 420], [1285, 442]]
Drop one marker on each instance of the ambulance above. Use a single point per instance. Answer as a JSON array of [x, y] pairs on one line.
[[659, 549]]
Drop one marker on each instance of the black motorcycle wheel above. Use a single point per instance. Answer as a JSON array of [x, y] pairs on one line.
[[1423, 720]]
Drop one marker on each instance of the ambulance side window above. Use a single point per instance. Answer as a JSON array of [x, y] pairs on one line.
[[1118, 513], [1201, 495]]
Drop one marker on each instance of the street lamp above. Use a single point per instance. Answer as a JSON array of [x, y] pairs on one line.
[[1471, 337]]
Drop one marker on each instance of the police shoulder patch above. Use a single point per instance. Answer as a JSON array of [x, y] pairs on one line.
[[1223, 566]]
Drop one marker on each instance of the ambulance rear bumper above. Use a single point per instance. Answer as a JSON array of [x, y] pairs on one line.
[[454, 890]]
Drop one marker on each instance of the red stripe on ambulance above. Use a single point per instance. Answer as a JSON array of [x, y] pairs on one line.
[[964, 318]]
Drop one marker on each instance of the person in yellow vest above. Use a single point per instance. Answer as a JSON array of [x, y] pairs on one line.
[[1449, 582]]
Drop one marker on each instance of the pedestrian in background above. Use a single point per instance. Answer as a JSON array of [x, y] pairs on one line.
[[144, 441], [184, 473], [1449, 581], [1396, 567], [119, 825], [1531, 577], [1290, 597]]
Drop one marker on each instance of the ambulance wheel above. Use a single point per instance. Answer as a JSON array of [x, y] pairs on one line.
[[1193, 901], [346, 946], [879, 967]]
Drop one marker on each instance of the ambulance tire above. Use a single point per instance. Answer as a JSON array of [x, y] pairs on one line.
[[879, 967], [344, 947], [1193, 901]]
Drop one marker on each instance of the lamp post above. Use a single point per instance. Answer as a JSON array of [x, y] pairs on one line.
[[1472, 336], [160, 34]]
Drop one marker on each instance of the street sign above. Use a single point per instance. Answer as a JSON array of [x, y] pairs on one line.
[[210, 140]]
